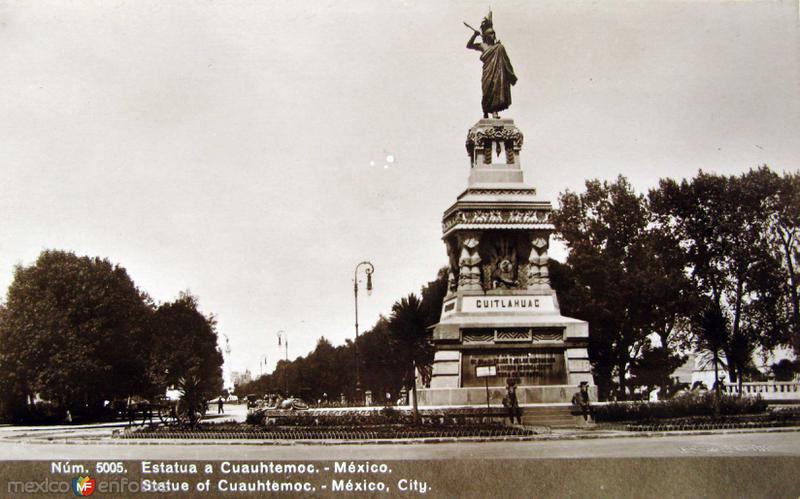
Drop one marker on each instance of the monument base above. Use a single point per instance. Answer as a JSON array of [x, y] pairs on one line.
[[522, 335], [540, 394], [500, 322]]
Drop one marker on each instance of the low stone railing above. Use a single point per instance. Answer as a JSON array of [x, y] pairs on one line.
[[767, 390]]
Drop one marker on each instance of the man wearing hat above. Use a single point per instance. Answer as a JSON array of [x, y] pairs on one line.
[[580, 401], [511, 402]]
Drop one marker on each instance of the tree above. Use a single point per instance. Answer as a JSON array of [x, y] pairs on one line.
[[710, 329], [780, 198], [383, 368], [721, 224], [73, 331], [654, 367], [15, 390], [785, 369], [389, 353], [408, 325], [326, 372], [326, 376], [191, 405], [433, 295], [183, 342], [575, 300], [624, 276]]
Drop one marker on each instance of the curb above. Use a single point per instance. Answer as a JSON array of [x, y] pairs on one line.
[[442, 440]]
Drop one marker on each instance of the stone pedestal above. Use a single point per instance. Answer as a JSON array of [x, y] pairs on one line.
[[500, 309]]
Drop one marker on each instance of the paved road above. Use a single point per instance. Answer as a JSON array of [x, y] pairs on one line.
[[777, 444]]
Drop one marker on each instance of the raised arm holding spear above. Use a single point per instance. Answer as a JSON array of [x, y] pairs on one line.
[[498, 75]]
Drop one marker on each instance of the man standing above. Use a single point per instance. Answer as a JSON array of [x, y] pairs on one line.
[[220, 406], [513, 403], [580, 401]]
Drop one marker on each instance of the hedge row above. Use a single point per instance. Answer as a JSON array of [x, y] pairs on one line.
[[690, 405], [387, 416], [337, 433]]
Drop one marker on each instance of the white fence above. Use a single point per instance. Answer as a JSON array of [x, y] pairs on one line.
[[768, 390]]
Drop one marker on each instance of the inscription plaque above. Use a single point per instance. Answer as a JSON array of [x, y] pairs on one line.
[[529, 367]]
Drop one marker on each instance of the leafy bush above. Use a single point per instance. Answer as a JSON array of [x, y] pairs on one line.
[[689, 405], [390, 412], [255, 417], [13, 406], [785, 413], [48, 412]]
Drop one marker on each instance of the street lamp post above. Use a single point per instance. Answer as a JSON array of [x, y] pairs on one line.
[[369, 269], [263, 364], [227, 360], [282, 334]]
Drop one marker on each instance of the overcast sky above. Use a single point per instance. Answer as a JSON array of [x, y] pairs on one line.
[[227, 147]]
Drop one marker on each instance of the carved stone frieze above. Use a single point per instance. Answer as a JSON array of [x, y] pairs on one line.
[[496, 216]]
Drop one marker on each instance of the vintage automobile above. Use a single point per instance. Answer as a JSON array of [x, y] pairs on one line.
[[252, 400]]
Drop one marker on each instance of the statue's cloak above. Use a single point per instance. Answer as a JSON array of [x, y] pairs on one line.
[[498, 76]]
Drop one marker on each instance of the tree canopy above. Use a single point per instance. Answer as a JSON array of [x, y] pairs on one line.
[[622, 276], [729, 228], [707, 263], [73, 330], [183, 341], [76, 331], [387, 352]]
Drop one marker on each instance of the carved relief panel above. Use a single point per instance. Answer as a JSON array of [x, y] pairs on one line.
[[498, 259], [504, 260], [538, 275], [469, 259]]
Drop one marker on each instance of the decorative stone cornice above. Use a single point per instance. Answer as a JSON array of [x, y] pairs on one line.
[[483, 135], [501, 192]]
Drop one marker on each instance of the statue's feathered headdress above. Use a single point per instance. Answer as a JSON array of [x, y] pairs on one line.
[[486, 24]]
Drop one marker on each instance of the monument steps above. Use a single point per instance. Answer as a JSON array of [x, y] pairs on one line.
[[553, 417]]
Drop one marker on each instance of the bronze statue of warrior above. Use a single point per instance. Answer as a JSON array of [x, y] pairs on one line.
[[498, 75]]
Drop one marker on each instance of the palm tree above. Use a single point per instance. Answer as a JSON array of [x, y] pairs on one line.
[[192, 403], [408, 327], [710, 328], [739, 352]]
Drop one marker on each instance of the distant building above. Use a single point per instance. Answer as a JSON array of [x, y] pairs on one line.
[[240, 378], [700, 368], [683, 374], [703, 371]]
